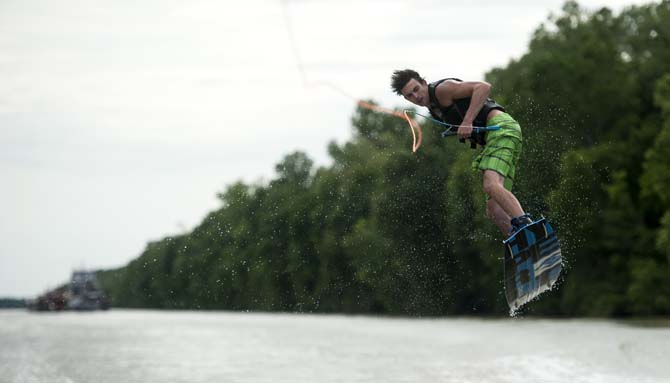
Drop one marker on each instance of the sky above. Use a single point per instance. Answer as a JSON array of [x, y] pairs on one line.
[[120, 121]]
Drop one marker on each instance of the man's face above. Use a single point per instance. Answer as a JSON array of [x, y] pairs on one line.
[[416, 92]]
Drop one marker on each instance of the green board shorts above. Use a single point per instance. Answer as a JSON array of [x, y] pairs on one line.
[[502, 150]]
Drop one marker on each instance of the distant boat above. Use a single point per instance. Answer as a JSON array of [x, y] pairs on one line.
[[82, 293], [85, 292]]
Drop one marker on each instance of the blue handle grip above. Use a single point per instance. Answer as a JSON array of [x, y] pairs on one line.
[[450, 132]]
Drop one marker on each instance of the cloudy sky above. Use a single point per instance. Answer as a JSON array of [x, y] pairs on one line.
[[120, 121]]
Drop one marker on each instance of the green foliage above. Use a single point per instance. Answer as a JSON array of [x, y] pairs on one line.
[[382, 230]]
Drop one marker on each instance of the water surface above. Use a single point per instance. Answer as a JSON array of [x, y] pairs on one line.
[[166, 346]]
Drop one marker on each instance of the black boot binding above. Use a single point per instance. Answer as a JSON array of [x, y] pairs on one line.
[[520, 222]]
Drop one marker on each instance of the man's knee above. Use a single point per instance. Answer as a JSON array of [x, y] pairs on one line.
[[489, 188], [492, 182]]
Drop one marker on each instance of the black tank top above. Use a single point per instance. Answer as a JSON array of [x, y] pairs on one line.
[[454, 113]]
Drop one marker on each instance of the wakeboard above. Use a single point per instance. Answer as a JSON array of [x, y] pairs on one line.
[[533, 263]]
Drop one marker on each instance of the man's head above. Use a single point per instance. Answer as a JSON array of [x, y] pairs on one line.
[[409, 84]]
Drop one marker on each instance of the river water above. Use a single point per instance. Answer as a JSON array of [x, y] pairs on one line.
[[127, 346]]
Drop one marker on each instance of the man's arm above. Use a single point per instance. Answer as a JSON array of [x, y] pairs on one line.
[[477, 91]]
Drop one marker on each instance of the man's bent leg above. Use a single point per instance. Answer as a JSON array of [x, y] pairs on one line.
[[498, 162], [498, 216], [493, 187]]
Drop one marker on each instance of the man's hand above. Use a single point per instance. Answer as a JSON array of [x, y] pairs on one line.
[[465, 130]]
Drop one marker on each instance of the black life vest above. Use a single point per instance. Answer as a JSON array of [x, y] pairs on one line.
[[454, 113]]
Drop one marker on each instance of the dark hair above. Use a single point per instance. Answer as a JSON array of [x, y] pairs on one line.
[[400, 78]]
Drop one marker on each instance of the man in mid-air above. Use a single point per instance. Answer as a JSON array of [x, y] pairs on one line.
[[466, 104]]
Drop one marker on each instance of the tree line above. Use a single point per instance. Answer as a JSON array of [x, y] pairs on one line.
[[382, 230]]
